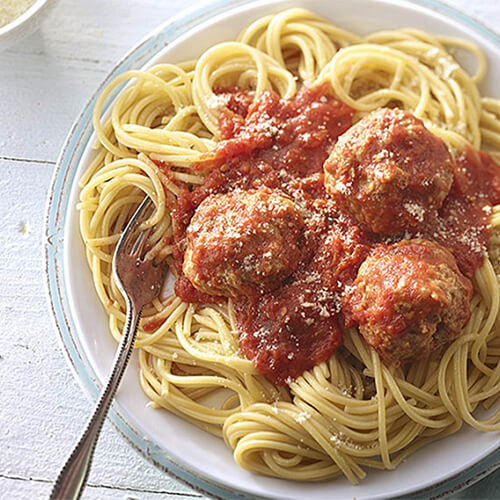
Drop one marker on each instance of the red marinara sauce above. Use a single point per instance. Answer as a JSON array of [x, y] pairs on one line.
[[296, 326], [462, 224], [282, 144], [278, 143]]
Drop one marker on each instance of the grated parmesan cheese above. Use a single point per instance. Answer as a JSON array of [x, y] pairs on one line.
[[302, 417], [217, 101], [418, 211], [12, 9]]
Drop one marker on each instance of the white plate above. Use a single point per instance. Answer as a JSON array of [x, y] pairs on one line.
[[186, 452]]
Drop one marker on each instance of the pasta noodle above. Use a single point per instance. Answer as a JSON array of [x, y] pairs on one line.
[[351, 412]]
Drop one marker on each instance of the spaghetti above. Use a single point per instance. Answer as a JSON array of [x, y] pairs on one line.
[[352, 411]]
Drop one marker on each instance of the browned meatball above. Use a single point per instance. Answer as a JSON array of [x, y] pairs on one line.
[[243, 242], [409, 299], [387, 170]]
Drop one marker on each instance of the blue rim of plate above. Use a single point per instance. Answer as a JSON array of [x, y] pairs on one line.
[[55, 218]]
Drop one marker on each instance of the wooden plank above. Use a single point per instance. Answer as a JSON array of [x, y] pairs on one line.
[[24, 488], [46, 80], [43, 408]]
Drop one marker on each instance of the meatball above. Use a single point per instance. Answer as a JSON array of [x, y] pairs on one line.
[[243, 242], [387, 170], [409, 299]]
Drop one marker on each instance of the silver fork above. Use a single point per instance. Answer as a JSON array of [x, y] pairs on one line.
[[139, 281]]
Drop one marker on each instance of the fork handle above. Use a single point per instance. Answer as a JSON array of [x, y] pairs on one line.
[[73, 476]]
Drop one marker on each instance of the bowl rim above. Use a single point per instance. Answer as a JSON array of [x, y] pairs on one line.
[[25, 16], [53, 243]]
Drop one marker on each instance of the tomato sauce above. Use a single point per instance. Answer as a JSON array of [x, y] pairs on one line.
[[462, 223], [293, 328], [282, 144], [273, 142]]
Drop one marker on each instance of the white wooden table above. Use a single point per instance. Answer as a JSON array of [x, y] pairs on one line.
[[44, 82]]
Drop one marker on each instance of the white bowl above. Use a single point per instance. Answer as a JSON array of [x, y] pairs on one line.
[[174, 445], [25, 24]]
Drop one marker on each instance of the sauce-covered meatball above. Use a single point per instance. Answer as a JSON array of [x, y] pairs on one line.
[[387, 170], [243, 242], [409, 299]]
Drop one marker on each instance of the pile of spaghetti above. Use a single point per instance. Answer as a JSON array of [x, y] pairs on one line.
[[163, 137]]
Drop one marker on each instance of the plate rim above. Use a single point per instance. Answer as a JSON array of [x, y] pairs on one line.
[[53, 242]]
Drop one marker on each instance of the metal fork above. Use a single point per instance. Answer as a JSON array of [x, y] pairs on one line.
[[139, 281]]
